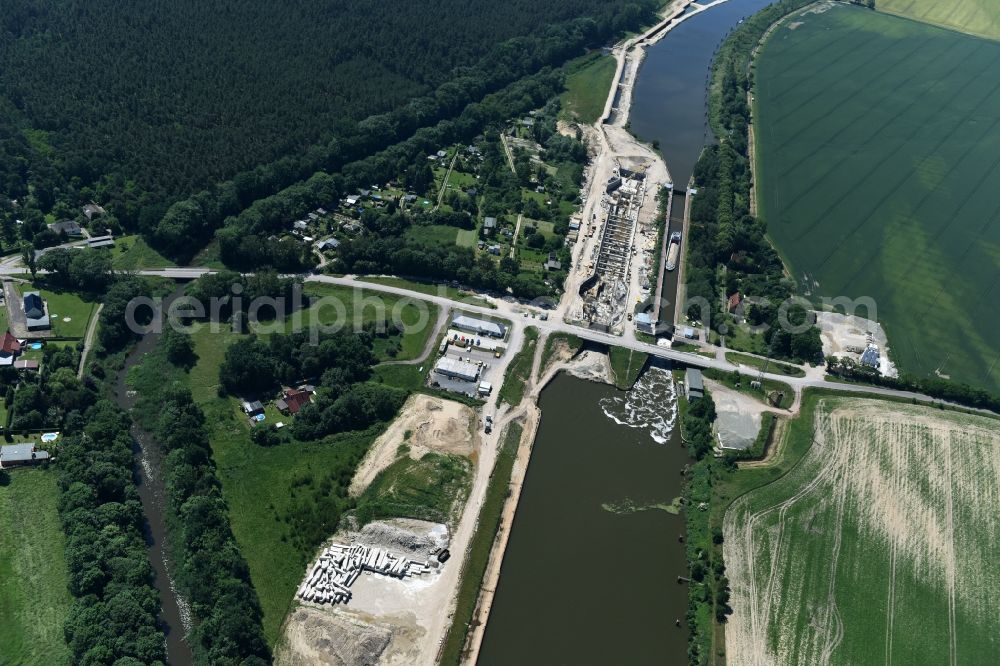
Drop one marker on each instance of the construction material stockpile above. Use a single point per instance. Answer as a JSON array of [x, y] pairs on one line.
[[339, 566]]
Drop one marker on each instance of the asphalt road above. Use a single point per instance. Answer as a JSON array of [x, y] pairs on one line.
[[516, 313]]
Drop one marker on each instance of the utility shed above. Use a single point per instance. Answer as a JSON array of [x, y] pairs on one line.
[[693, 384], [452, 367], [479, 326]]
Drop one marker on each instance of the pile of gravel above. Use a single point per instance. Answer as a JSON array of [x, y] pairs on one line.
[[413, 537]]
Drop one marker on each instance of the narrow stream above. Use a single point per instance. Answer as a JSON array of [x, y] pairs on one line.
[[174, 615]]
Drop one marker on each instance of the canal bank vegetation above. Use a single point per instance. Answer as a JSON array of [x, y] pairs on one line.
[[559, 346], [478, 558], [626, 365], [729, 257], [708, 588], [34, 594], [519, 370]]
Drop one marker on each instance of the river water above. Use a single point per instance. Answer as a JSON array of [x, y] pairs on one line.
[[590, 571], [174, 616], [670, 99]]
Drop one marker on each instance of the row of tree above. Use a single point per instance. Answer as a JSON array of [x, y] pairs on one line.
[[723, 232], [113, 618]]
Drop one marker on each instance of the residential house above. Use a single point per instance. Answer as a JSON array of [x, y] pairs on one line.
[[489, 225], [328, 244], [734, 302], [34, 312], [252, 407], [9, 348], [68, 227], [92, 210], [293, 401], [553, 264], [13, 455]]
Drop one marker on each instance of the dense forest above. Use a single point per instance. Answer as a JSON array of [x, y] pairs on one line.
[[136, 105]]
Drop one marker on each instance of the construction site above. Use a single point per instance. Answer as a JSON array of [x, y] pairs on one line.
[[605, 292]]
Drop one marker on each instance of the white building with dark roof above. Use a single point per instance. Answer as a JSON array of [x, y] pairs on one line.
[[479, 326], [456, 369]]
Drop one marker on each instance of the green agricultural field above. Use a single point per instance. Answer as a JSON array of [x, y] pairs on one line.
[[34, 599], [878, 143], [877, 547], [976, 17], [587, 87]]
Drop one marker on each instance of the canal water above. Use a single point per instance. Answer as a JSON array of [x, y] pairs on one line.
[[590, 571], [670, 99], [174, 616]]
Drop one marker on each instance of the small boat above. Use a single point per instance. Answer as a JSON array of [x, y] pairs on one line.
[[673, 251]]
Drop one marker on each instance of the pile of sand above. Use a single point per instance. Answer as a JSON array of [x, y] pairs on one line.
[[425, 424], [331, 638]]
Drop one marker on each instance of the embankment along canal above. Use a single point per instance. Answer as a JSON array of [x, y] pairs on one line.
[[149, 482], [590, 572]]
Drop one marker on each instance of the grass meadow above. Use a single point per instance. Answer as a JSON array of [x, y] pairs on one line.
[[34, 599], [587, 87], [878, 150], [876, 547], [976, 17]]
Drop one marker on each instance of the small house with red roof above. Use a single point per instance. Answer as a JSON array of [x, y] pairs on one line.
[[9, 349], [294, 400]]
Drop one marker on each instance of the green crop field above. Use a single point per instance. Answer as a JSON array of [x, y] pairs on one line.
[[34, 599], [977, 17], [878, 152], [877, 547]]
